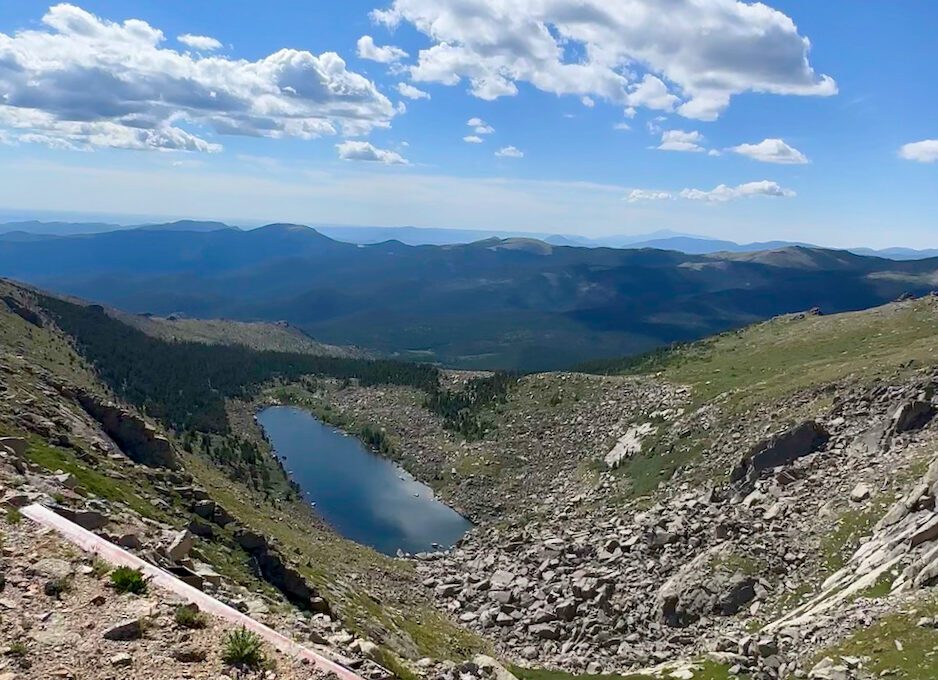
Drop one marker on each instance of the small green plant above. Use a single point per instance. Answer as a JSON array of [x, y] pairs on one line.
[[14, 516], [244, 648], [127, 580], [100, 568], [17, 649], [189, 616], [57, 587], [58, 498]]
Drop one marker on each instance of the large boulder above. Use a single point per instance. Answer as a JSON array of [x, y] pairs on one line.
[[180, 546], [778, 450], [709, 585], [911, 415], [17, 445], [92, 520]]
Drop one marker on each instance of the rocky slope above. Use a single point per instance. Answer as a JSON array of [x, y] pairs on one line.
[[751, 500], [62, 620]]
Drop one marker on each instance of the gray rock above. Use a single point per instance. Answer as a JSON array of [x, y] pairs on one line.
[[129, 629], [201, 528], [131, 540], [17, 445], [181, 545], [204, 508], [912, 415], [501, 596], [501, 579], [860, 493], [52, 568], [545, 631], [91, 520], [448, 589], [703, 587], [250, 541], [189, 654], [780, 449], [121, 660]]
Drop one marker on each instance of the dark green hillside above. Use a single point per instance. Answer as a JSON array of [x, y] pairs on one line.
[[186, 384]]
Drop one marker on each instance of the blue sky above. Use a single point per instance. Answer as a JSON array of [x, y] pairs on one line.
[[106, 109]]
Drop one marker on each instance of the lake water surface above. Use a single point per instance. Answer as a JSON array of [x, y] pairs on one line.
[[365, 497]]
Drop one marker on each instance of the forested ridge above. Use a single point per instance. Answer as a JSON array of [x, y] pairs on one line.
[[185, 384]]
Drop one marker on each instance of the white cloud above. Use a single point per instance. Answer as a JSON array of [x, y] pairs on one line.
[[692, 57], [640, 195], [679, 140], [411, 92], [724, 193], [480, 126], [772, 151], [387, 54], [509, 152], [203, 43], [925, 151], [588, 102], [720, 194], [472, 139], [652, 93], [86, 82], [364, 151], [622, 126]]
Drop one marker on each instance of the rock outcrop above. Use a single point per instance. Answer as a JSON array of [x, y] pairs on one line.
[[707, 586], [270, 565], [139, 440], [778, 450]]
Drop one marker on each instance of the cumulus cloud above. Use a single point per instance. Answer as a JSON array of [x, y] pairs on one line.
[[679, 140], [772, 151], [203, 43], [84, 82], [720, 194], [509, 152], [925, 151], [472, 139], [411, 92], [724, 193], [365, 151], [692, 57], [480, 126], [651, 93], [387, 54], [622, 126]]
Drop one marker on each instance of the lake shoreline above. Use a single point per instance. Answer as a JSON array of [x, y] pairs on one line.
[[362, 495]]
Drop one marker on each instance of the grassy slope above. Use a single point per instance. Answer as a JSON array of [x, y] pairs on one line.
[[770, 360], [765, 363], [896, 645], [263, 336]]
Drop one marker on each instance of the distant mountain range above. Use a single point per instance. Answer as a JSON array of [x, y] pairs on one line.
[[419, 236], [497, 303]]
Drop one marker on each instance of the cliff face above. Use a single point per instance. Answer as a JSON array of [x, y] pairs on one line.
[[137, 438]]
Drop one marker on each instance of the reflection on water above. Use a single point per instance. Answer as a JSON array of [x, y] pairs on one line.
[[363, 496]]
